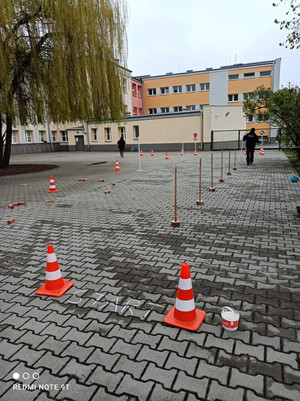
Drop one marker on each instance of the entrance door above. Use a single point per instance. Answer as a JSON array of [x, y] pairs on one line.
[[79, 143]]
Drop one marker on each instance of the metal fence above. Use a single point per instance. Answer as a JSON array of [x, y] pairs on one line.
[[233, 139]]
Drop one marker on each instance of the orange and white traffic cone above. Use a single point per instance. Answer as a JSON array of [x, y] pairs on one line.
[[195, 152], [52, 185], [117, 168], [262, 153], [184, 314], [181, 154], [55, 285], [141, 154], [167, 157], [152, 154], [245, 154]]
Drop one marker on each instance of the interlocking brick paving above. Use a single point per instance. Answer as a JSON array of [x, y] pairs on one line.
[[105, 339]]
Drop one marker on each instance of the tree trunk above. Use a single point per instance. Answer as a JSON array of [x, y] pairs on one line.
[[6, 146], [1, 144]]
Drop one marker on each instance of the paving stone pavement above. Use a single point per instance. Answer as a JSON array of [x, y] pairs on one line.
[[105, 339]]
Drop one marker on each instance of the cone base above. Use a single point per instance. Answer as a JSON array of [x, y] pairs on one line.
[[117, 170], [200, 202], [228, 173], [175, 223], [211, 189], [193, 325], [53, 190], [221, 180], [54, 293], [234, 168]]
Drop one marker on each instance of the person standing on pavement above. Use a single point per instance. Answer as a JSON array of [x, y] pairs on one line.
[[121, 143], [251, 139]]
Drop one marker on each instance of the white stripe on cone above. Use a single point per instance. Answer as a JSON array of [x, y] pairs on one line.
[[185, 306], [185, 283], [51, 257], [51, 276]]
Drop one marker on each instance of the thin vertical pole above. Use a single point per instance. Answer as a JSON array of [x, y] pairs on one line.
[[200, 201], [175, 222], [221, 179], [234, 166], [229, 173], [212, 189], [139, 150], [175, 193]]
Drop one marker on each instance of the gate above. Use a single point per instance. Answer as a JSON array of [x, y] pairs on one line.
[[233, 139]]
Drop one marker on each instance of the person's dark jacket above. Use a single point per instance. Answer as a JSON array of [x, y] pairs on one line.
[[251, 139], [121, 144]]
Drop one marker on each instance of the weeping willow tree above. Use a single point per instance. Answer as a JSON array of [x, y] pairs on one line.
[[58, 60]]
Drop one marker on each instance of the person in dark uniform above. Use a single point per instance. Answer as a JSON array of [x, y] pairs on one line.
[[251, 139], [121, 144]]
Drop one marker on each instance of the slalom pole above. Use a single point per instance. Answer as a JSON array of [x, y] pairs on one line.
[[228, 173], [200, 201], [212, 189], [234, 164], [175, 222], [221, 179]]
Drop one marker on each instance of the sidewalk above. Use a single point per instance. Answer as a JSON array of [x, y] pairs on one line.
[[105, 339]]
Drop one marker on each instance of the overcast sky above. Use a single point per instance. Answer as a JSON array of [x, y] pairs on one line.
[[179, 35]]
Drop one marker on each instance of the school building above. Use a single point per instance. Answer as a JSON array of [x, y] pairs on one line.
[[164, 111]]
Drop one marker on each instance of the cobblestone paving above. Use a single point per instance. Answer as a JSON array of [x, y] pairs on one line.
[[104, 339]]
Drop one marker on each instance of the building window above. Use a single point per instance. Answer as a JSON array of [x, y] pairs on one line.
[[177, 89], [177, 109], [249, 74], [14, 137], [164, 91], [53, 136], [190, 108], [233, 76], [136, 132], [42, 136], [265, 73], [152, 111], [247, 95], [135, 111], [124, 85], [64, 136], [139, 91], [233, 98], [134, 90], [28, 137], [190, 88], [107, 134], [140, 111], [151, 91], [165, 110], [95, 134], [204, 87], [249, 119]]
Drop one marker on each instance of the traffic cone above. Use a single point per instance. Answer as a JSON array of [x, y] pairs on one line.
[[117, 168], [184, 314], [167, 157], [262, 151], [55, 285], [181, 154], [52, 185], [195, 152], [152, 154], [245, 154], [141, 154]]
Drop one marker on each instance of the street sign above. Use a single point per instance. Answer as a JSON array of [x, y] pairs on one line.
[[262, 132], [195, 135]]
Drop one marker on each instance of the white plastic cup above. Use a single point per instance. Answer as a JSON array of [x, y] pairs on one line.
[[230, 318]]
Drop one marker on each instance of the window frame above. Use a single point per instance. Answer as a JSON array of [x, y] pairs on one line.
[[233, 97], [108, 136]]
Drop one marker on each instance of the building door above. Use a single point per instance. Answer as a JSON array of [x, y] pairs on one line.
[[79, 143]]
